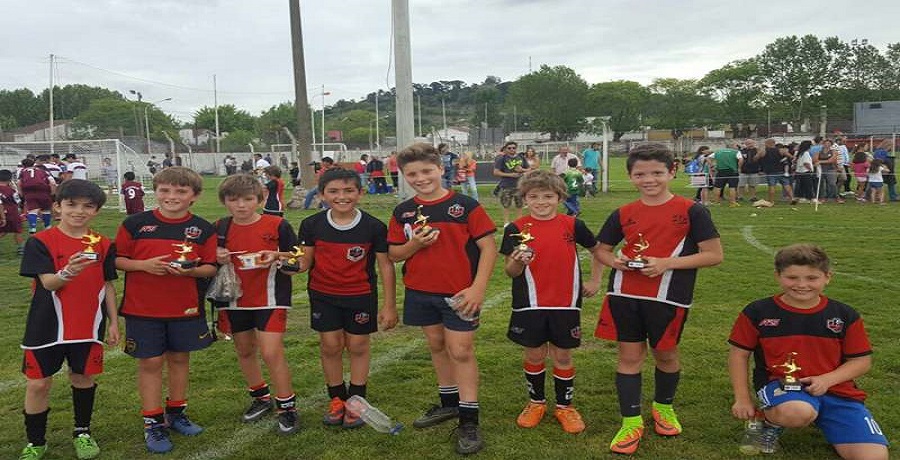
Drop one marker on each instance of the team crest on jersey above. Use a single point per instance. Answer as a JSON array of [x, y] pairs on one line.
[[268, 237], [568, 237], [361, 317], [356, 253], [576, 332], [193, 232], [516, 329], [835, 325], [679, 219], [408, 214], [628, 222], [456, 211], [148, 229], [770, 322]]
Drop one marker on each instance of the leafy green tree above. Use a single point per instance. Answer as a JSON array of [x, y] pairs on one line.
[[21, 107], [105, 118], [739, 87], [70, 100], [230, 119], [238, 140], [270, 123], [679, 104], [622, 101], [555, 97]]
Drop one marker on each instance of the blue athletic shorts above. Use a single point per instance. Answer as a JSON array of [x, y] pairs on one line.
[[842, 420], [149, 338], [425, 309]]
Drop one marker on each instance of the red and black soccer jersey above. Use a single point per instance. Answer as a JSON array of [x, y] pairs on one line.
[[35, 181], [9, 206], [553, 279], [672, 229], [148, 235], [75, 312], [449, 265], [275, 197], [344, 255], [133, 193], [823, 337], [262, 287]]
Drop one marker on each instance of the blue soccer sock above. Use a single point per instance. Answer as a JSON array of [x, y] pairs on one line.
[[47, 218], [32, 221]]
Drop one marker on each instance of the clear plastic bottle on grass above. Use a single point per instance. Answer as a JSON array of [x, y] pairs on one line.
[[372, 416], [750, 442]]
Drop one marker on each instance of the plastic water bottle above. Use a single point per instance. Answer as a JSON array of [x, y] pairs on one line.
[[372, 416], [750, 442], [454, 302]]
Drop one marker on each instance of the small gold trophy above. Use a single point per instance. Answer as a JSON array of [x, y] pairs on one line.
[[638, 261], [183, 249], [524, 237], [89, 241], [421, 223], [292, 263], [790, 382]]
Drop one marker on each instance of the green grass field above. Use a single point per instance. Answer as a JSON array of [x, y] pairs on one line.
[[862, 241]]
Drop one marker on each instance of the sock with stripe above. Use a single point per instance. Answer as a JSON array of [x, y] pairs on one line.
[[449, 396], [468, 412], [564, 381], [535, 375]]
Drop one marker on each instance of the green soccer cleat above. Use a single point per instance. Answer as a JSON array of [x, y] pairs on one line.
[[85, 447], [665, 421], [32, 452]]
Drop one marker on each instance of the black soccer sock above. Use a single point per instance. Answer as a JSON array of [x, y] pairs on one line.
[[358, 390], [666, 385], [286, 404], [338, 391], [564, 381], [83, 407], [175, 407], [628, 386], [535, 375], [36, 427], [449, 396], [468, 412], [260, 391]]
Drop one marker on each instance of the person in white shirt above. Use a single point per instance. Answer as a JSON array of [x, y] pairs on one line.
[[259, 162], [560, 163], [76, 168]]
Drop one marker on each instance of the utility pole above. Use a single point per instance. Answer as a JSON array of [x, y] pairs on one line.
[[304, 129], [216, 105], [403, 64], [52, 134], [419, 100]]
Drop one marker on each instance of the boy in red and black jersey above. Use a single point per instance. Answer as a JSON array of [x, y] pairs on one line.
[[74, 297], [542, 260], [274, 191], [10, 222], [257, 319], [827, 342], [667, 238], [133, 194], [342, 246], [37, 187], [446, 243], [162, 326]]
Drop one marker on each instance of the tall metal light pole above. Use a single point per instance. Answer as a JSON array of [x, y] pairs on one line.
[[147, 121], [403, 76], [216, 105]]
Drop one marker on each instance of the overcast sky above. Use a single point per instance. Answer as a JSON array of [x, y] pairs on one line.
[[171, 48]]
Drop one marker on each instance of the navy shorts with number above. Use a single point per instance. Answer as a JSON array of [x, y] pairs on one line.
[[149, 338], [261, 319], [533, 328], [354, 314], [626, 319], [425, 309], [83, 358], [842, 420]]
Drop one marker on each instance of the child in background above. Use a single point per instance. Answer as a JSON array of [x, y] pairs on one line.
[[274, 191], [257, 320], [547, 291], [10, 220], [875, 178], [73, 269], [342, 247], [133, 194], [574, 180], [163, 306], [826, 339], [860, 167]]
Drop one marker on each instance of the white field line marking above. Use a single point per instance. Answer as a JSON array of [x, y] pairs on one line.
[[250, 433], [747, 233], [20, 382]]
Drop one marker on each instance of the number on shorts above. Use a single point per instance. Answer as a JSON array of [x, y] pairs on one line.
[[873, 426]]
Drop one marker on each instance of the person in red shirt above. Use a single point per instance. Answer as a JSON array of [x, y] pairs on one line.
[[162, 326], [257, 319], [133, 194], [342, 246], [651, 287], [547, 291], [274, 192], [37, 187], [74, 301], [441, 228], [10, 221], [818, 341]]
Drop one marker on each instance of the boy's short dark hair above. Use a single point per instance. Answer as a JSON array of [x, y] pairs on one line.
[[545, 179], [334, 174], [55, 156], [5, 175], [27, 162], [239, 185], [179, 176], [804, 254], [573, 162], [419, 151], [80, 188], [650, 152], [43, 157], [328, 160], [128, 175], [273, 171]]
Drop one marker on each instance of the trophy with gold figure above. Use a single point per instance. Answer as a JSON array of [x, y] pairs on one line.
[[421, 223], [524, 236], [638, 261], [790, 382], [182, 261], [292, 263], [90, 240]]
